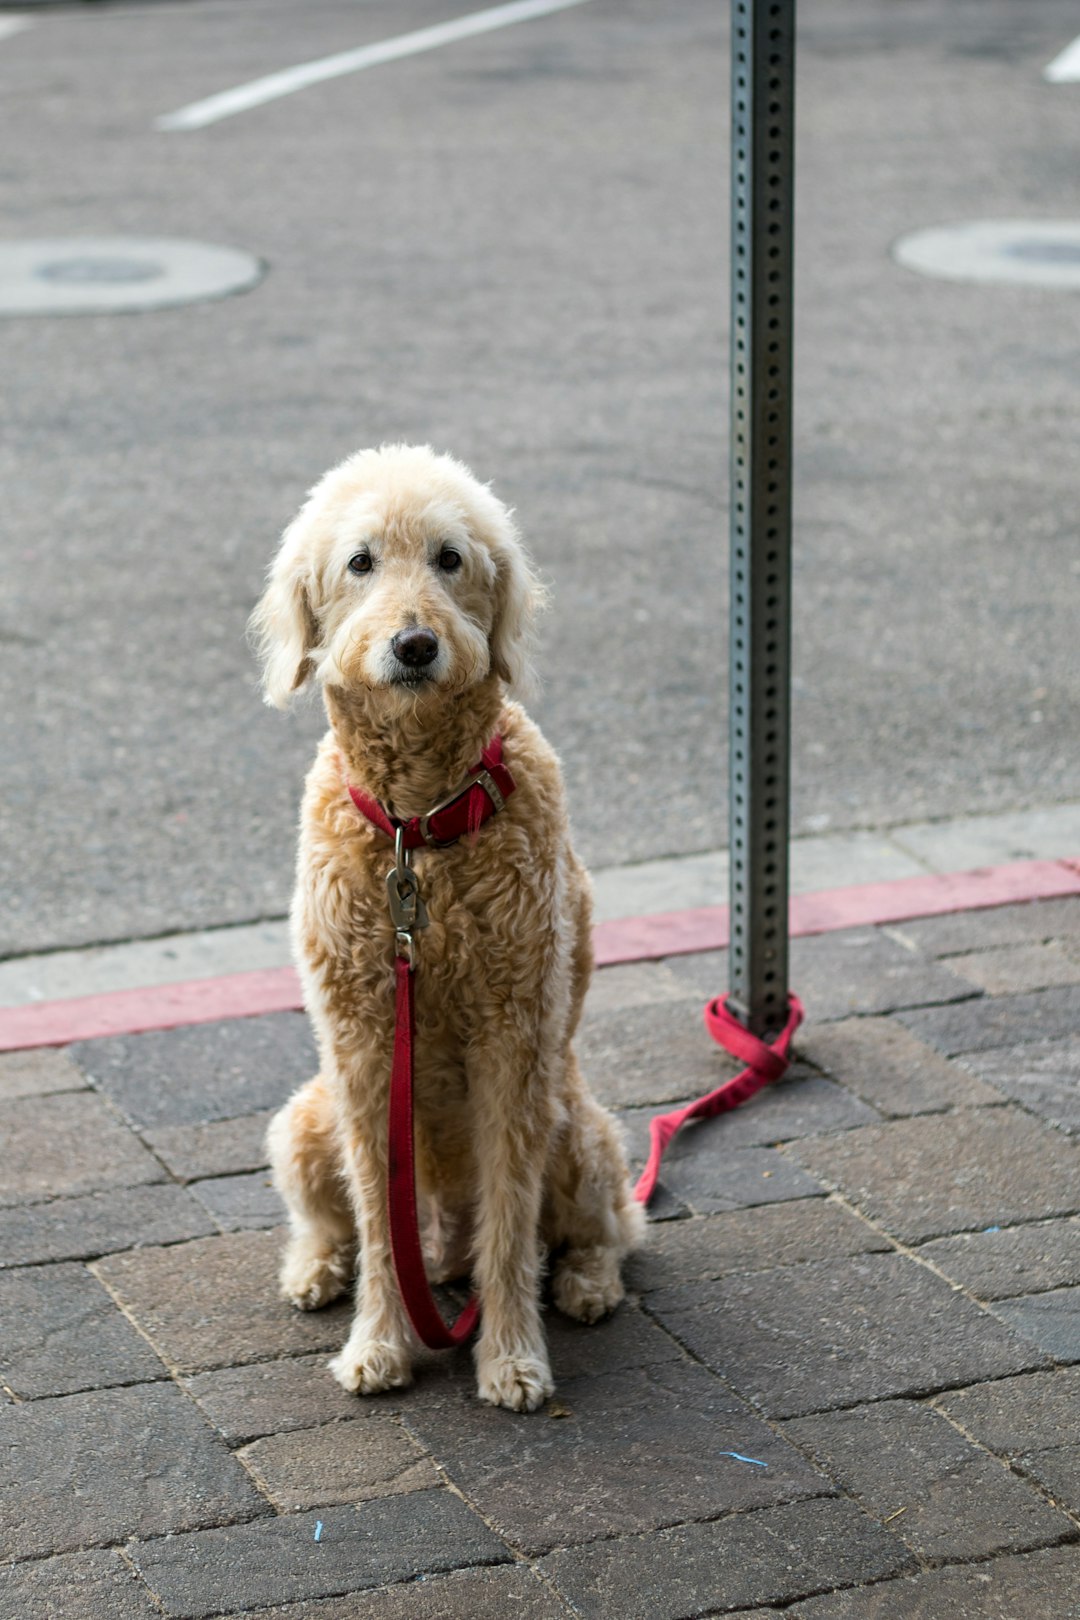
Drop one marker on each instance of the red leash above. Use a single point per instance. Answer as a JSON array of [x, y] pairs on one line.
[[764, 1063], [424, 1313], [480, 797]]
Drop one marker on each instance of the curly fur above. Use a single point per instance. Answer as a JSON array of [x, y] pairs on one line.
[[515, 1159]]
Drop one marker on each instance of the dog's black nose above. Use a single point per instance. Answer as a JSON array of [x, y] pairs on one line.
[[416, 646]]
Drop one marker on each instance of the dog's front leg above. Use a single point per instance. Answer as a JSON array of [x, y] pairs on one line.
[[377, 1354], [511, 1123]]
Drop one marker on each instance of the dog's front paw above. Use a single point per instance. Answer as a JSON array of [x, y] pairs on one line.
[[521, 1383], [311, 1278], [586, 1284], [367, 1366]]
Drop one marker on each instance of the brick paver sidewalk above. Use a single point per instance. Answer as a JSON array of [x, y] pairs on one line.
[[846, 1383]]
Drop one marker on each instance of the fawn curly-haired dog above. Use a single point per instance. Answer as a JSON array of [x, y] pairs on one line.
[[403, 589]]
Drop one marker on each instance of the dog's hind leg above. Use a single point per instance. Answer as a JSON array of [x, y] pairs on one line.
[[320, 1258], [591, 1218]]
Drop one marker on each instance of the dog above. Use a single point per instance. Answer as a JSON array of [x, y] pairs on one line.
[[402, 588]]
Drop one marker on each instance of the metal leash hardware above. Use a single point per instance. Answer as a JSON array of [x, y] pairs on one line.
[[407, 908]]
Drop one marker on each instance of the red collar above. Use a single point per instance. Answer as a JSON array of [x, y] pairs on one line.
[[482, 794]]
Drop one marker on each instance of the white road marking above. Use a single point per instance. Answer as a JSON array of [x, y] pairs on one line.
[[1065, 68], [230, 102], [13, 25]]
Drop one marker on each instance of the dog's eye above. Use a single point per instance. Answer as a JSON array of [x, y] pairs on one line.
[[360, 563], [449, 560]]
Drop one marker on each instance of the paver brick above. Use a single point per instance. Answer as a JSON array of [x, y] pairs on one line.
[[75, 1586], [886, 1064], [1032, 921], [1030, 1586], [86, 1470], [833, 1333], [36, 1073], [651, 1054], [701, 1169], [989, 1021], [631, 984], [243, 1566], [635, 1450], [241, 1203], [862, 971], [273, 1397], [60, 1332], [68, 1143], [800, 1104], [222, 1147], [1044, 1077], [664, 1205], [1057, 1469], [500, 1592], [203, 1071], [338, 1462], [1051, 1320], [99, 1223], [700, 974], [836, 975], [749, 1240], [1015, 1415], [214, 1302], [626, 1339], [749, 1558], [933, 1175], [1017, 967], [1016, 1260], [941, 1494]]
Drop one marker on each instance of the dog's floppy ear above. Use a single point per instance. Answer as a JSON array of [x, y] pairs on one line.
[[283, 627], [519, 597]]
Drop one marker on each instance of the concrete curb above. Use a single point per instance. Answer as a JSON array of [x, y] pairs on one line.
[[630, 939]]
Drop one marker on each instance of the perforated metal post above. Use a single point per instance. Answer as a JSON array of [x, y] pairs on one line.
[[762, 146]]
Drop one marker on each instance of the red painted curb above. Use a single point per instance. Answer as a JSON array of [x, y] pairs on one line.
[[630, 939], [158, 1006], [677, 933]]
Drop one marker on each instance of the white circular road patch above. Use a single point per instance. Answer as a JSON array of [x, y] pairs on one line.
[[1024, 252], [100, 274]]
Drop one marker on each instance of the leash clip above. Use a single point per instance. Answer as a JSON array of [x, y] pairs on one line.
[[407, 908]]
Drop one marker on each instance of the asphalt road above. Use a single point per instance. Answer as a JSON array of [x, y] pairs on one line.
[[513, 247]]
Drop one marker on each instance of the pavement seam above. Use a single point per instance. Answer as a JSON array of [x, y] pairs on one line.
[[1009, 1463], [124, 1554], [778, 1427], [1003, 1100], [517, 1554], [836, 1490], [895, 1580], [912, 1251]]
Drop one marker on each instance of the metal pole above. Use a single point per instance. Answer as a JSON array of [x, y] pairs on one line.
[[762, 171]]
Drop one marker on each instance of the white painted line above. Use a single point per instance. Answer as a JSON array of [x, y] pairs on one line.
[[1004, 252], [13, 25], [289, 80], [1064, 69]]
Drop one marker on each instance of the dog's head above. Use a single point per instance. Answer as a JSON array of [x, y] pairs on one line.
[[402, 575]]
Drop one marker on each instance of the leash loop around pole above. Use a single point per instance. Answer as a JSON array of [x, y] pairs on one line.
[[765, 1062]]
